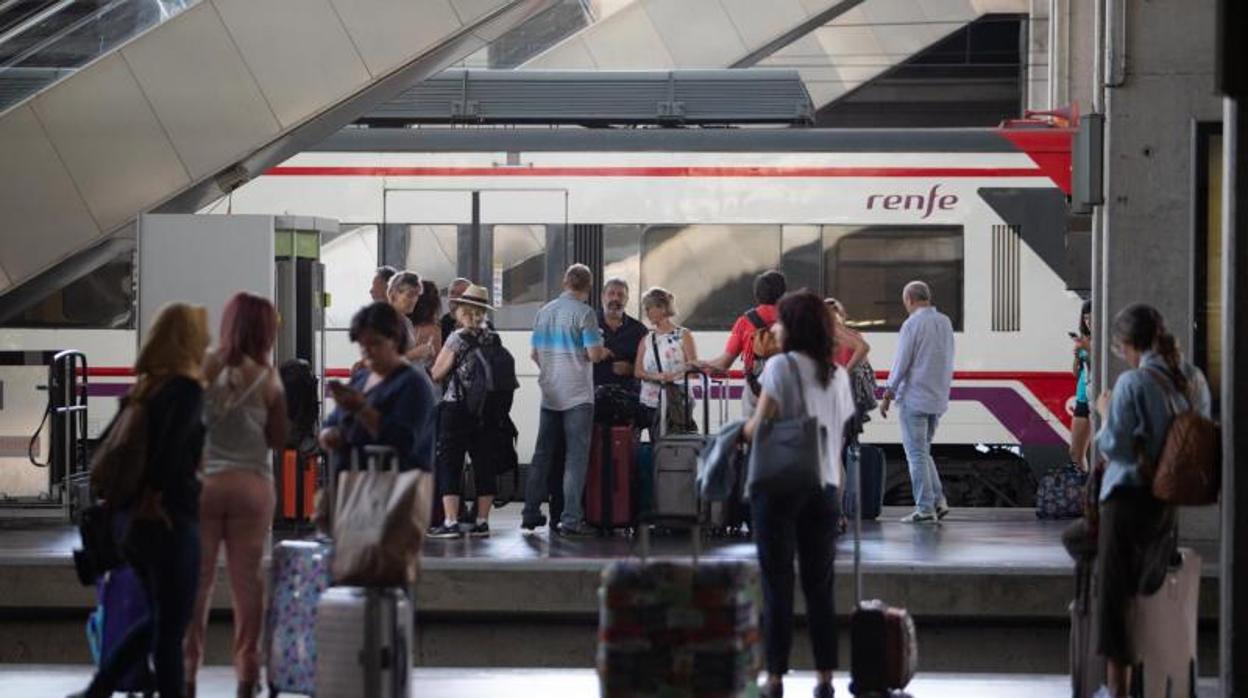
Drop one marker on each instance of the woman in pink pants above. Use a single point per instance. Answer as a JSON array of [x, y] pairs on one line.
[[245, 416]]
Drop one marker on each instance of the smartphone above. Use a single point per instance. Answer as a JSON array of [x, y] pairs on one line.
[[1073, 336]]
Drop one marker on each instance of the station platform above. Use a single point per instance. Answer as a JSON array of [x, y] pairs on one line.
[[989, 589], [218, 681]]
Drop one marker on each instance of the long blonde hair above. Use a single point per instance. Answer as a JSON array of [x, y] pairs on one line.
[[174, 346]]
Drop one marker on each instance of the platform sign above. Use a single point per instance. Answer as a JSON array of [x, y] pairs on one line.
[[204, 260]]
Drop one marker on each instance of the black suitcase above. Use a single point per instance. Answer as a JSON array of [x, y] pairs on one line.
[[871, 469]]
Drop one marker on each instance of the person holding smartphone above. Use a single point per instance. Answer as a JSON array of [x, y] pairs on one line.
[[388, 401], [1081, 425]]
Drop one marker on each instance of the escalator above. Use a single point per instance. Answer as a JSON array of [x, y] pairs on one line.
[[112, 108]]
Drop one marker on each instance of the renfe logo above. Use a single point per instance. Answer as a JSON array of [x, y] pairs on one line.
[[914, 202]]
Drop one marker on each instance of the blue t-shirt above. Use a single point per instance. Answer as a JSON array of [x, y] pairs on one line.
[[406, 401]]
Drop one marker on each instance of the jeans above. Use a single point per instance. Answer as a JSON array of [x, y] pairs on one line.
[[167, 562], [917, 431], [805, 524], [576, 426], [236, 512]]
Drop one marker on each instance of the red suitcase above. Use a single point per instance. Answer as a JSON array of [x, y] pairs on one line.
[[610, 497]]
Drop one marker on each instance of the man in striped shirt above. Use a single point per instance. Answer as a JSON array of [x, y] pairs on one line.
[[566, 344]]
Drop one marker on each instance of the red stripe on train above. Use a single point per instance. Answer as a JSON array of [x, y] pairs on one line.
[[677, 171]]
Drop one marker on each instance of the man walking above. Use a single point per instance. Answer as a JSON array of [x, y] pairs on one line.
[[566, 344], [919, 382]]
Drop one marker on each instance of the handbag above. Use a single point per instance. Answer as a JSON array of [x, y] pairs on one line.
[[1061, 493], [379, 521], [862, 380], [787, 455], [679, 413]]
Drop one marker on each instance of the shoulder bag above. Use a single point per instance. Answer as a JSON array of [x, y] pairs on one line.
[[787, 455]]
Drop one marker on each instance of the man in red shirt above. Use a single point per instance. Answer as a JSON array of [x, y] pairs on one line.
[[768, 288]]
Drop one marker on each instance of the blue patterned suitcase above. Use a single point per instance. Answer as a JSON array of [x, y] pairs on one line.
[[300, 576]]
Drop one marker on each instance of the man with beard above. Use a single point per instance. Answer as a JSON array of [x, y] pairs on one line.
[[622, 335]]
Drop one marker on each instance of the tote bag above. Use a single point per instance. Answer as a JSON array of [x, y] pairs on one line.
[[787, 454], [379, 519]]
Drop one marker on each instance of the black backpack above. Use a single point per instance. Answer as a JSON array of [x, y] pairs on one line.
[[483, 367], [302, 404]]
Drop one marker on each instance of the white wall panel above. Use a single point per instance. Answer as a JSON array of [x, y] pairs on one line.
[[571, 54], [112, 143], [760, 22], [215, 117], [299, 52], [40, 208], [697, 33], [389, 32], [628, 40], [203, 260]]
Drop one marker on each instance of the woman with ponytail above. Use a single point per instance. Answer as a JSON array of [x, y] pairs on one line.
[[1137, 535]]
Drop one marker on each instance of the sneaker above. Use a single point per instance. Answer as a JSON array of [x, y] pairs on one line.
[[919, 517], [480, 529], [533, 524], [942, 510], [574, 531], [824, 690], [771, 690], [445, 530]]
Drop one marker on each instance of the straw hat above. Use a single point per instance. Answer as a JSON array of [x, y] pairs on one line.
[[476, 296]]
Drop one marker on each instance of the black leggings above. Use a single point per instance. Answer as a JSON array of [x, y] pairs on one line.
[[460, 432], [805, 525], [1137, 539]]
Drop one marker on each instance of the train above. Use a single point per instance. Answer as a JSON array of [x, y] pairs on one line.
[[980, 214]]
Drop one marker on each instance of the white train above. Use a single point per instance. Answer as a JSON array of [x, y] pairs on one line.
[[979, 214]]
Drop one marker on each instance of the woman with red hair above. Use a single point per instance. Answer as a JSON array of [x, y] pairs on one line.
[[245, 416]]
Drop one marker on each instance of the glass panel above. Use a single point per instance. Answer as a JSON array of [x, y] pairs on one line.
[[103, 299], [866, 268], [350, 259], [51, 44], [518, 274], [710, 269], [429, 250], [621, 258], [802, 256], [1213, 266]]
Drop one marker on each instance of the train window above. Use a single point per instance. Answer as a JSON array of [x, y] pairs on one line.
[[866, 267], [102, 299], [801, 257], [621, 258], [518, 274], [710, 269], [350, 258], [429, 250]]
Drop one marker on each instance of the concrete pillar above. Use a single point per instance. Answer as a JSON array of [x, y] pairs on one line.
[[1159, 67], [1037, 53]]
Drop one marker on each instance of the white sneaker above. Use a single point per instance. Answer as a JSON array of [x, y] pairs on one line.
[[919, 517]]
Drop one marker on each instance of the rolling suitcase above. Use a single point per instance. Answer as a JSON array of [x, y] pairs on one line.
[[363, 643], [870, 470], [676, 464], [122, 603], [300, 575], [884, 651], [678, 629], [1162, 627], [610, 483]]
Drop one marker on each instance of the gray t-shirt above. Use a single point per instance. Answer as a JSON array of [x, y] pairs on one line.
[[563, 331], [831, 404]]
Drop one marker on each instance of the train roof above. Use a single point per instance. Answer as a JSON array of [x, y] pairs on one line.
[[738, 140]]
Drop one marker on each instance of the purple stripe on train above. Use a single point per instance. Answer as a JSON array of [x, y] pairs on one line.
[[1006, 404]]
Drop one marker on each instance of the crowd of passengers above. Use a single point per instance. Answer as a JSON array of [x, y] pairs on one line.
[[214, 414]]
